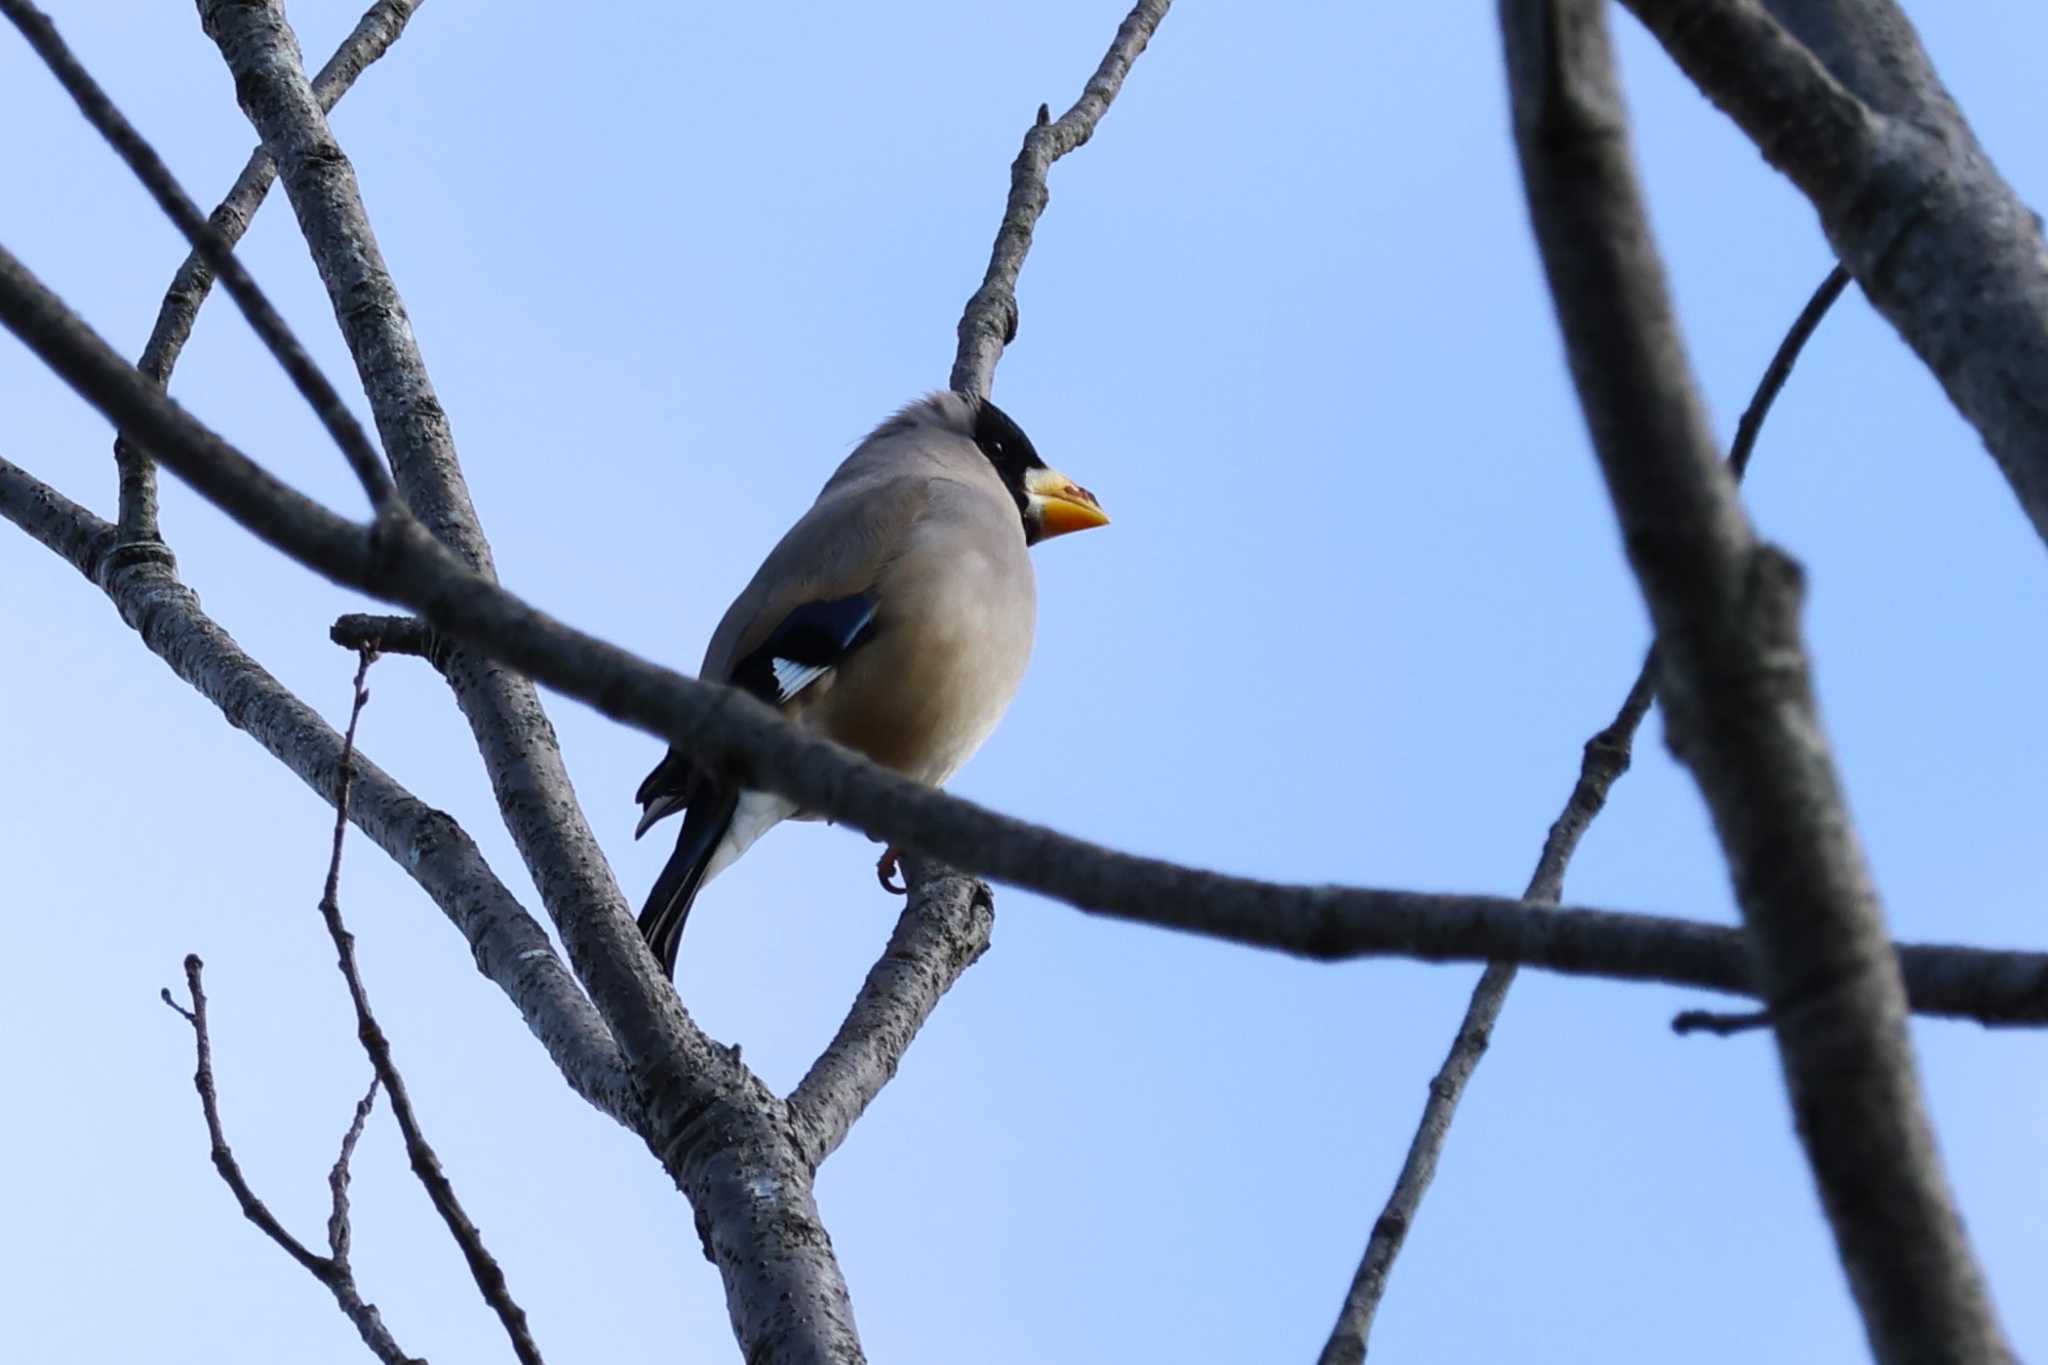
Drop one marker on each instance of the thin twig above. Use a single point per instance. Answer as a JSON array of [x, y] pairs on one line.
[[371, 38], [332, 1271], [337, 1178], [1605, 759], [156, 177], [489, 1276], [990, 320]]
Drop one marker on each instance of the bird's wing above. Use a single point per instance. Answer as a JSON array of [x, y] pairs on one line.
[[810, 604], [804, 645]]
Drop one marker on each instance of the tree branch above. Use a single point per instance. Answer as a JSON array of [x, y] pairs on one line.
[[156, 177], [1943, 247], [395, 560], [990, 320], [371, 38], [332, 1271], [426, 1164], [1605, 759], [944, 930], [1740, 710], [511, 950]]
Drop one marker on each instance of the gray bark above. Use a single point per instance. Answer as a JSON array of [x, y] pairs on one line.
[[942, 932], [510, 948]]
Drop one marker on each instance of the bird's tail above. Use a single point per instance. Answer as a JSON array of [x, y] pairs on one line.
[[668, 904]]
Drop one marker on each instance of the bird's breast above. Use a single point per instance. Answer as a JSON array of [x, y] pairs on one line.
[[951, 641]]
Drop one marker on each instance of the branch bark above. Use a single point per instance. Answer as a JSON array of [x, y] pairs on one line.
[[944, 930], [510, 948], [1840, 96], [1741, 715], [989, 322]]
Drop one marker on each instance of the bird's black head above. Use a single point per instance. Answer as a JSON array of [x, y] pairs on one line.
[[1048, 502], [1008, 449]]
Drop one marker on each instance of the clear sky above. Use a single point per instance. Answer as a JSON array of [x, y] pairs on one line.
[[1362, 603]]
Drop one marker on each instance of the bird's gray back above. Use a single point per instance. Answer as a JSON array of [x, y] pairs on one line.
[[909, 485]]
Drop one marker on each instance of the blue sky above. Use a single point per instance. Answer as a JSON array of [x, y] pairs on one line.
[[1362, 603]]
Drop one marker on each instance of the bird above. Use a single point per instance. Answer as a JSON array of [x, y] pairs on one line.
[[895, 618]]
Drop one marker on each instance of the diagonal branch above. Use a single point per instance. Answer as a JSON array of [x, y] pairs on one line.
[[1840, 96], [1735, 683], [397, 561], [426, 1164], [511, 949], [990, 320], [1605, 759], [332, 1271], [943, 930], [372, 36], [156, 177]]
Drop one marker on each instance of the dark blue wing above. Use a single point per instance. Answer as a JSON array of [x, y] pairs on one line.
[[807, 643]]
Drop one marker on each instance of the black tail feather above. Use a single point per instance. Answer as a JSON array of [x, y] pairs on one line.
[[668, 904]]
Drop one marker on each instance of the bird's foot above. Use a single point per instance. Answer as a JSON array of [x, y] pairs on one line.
[[885, 869]]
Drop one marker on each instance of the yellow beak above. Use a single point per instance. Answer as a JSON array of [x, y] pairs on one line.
[[1060, 504]]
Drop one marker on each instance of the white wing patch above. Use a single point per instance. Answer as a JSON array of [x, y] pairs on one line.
[[792, 677]]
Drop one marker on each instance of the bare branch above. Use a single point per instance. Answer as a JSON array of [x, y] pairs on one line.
[[1741, 715], [511, 949], [156, 177], [372, 36], [1605, 759], [1841, 98], [426, 1164], [395, 560], [334, 1272], [942, 932], [990, 321]]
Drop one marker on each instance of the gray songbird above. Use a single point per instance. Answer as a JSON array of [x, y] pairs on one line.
[[895, 618]]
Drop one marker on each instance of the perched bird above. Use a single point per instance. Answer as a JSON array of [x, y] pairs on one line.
[[895, 618]]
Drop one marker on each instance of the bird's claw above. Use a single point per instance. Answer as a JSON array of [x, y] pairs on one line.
[[885, 870]]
